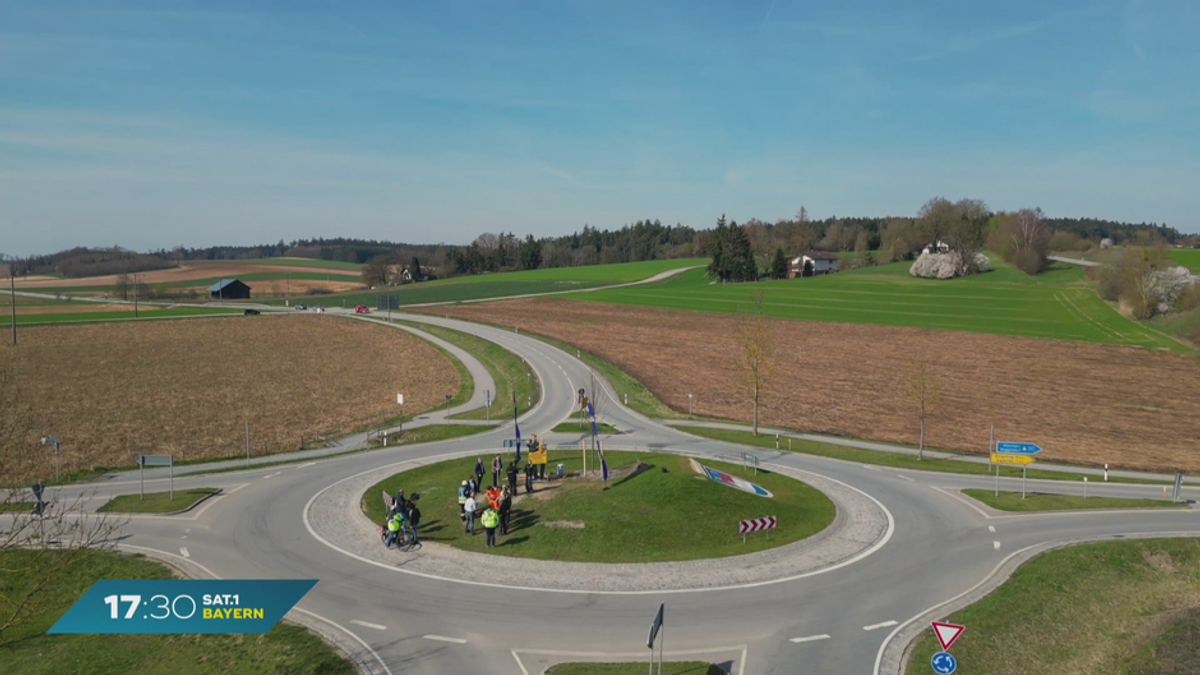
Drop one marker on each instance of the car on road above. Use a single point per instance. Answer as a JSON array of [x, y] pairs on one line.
[[301, 305], [251, 312], [362, 309]]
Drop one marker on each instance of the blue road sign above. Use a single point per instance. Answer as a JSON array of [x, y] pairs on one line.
[[1019, 448], [943, 663]]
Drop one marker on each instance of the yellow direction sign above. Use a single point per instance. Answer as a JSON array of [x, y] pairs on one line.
[[1008, 458]]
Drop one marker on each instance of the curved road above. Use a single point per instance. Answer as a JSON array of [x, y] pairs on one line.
[[942, 547]]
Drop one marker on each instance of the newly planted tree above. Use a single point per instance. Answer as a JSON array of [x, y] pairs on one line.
[[923, 391], [754, 336]]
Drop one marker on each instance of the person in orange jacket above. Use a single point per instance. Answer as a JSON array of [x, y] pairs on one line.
[[493, 497]]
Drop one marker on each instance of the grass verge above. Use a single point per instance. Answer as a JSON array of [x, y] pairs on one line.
[[584, 428], [665, 513], [16, 506], [1034, 501], [882, 458], [634, 668], [157, 502], [431, 433], [1110, 607], [510, 373], [26, 649]]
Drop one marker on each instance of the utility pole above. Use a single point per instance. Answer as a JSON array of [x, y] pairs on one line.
[[247, 442], [135, 297], [12, 294]]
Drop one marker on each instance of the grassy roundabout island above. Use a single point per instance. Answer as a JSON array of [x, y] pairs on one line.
[[663, 512]]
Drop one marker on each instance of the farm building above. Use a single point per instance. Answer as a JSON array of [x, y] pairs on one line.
[[812, 263], [229, 289], [938, 246]]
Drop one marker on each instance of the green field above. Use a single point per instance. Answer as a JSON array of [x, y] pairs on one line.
[[484, 286], [665, 513], [26, 649], [157, 502], [147, 313], [1056, 304], [576, 427], [1121, 607], [1035, 501], [1188, 257]]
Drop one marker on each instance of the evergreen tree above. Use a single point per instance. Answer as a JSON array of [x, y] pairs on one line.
[[779, 265], [718, 248], [742, 266], [415, 269], [531, 253]]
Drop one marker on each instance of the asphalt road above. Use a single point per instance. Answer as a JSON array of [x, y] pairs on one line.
[[837, 621]]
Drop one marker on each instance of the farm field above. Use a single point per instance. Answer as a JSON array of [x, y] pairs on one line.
[[484, 286], [196, 274], [187, 388], [1084, 403], [94, 312], [1056, 304], [1188, 257]]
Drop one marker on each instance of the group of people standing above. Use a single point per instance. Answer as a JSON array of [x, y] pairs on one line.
[[496, 514]]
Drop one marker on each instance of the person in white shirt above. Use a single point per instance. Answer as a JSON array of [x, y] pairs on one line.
[[469, 509]]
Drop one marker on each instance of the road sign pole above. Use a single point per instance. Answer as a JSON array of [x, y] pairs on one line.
[[171, 473], [1085, 487], [1023, 472], [997, 494], [141, 479]]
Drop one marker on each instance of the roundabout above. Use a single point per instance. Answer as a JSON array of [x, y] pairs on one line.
[[861, 526], [903, 548]]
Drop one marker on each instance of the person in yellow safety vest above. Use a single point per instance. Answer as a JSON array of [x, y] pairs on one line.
[[462, 501], [393, 526], [491, 520]]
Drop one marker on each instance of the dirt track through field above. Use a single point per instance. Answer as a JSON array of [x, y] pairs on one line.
[[1084, 403], [114, 390]]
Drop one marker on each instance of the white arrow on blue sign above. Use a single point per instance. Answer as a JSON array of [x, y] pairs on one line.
[[1019, 448]]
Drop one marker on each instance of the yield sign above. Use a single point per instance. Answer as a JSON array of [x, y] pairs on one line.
[[947, 633]]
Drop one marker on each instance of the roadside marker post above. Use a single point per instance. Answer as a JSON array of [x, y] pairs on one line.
[[1085, 487], [155, 460]]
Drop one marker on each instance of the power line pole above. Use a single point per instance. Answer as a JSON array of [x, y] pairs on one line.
[[12, 294]]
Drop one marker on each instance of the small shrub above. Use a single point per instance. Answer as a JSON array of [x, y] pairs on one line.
[[1028, 261], [1064, 241], [318, 291]]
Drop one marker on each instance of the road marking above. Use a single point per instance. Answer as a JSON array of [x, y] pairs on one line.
[[996, 545], [443, 638], [873, 468], [905, 478], [272, 475], [875, 626], [368, 625], [183, 550], [184, 537], [810, 638], [992, 529], [305, 466]]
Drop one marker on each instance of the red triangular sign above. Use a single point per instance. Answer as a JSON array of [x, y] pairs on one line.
[[947, 633]]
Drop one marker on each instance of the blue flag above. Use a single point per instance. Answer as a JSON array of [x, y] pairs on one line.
[[517, 425], [592, 414]]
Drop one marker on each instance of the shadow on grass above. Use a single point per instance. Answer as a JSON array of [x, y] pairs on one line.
[[522, 519], [641, 469]]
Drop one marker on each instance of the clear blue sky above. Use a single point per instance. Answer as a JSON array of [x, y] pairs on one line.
[[161, 123]]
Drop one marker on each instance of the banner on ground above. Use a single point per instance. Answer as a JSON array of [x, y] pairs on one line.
[[731, 481]]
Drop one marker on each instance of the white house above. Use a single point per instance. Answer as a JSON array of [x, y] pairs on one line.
[[938, 246], [812, 263]]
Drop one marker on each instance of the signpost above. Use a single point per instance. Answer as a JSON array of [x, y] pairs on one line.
[[655, 627], [755, 525], [750, 460], [488, 405], [400, 402], [39, 506], [1177, 493], [942, 662], [1019, 454], [155, 460]]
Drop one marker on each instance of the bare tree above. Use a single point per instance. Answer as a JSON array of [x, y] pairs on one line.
[[923, 391], [754, 335]]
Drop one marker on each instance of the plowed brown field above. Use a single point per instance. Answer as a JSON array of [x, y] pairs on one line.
[[1083, 403], [187, 273], [115, 390]]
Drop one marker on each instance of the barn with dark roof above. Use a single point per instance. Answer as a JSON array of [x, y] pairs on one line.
[[229, 289]]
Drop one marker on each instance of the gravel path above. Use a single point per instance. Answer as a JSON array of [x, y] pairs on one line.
[[334, 515]]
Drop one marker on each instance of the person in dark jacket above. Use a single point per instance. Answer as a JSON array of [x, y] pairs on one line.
[[505, 510], [511, 474], [497, 469], [479, 472], [529, 477], [414, 515]]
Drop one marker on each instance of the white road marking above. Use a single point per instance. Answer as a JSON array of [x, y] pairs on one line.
[[184, 537], [810, 638], [873, 468], [902, 476], [304, 466], [875, 626], [368, 625], [183, 551], [443, 638], [992, 529], [996, 545], [272, 475]]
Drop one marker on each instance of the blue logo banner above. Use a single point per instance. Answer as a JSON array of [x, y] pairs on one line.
[[180, 606]]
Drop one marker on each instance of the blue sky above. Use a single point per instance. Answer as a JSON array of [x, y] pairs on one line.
[[162, 123]]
